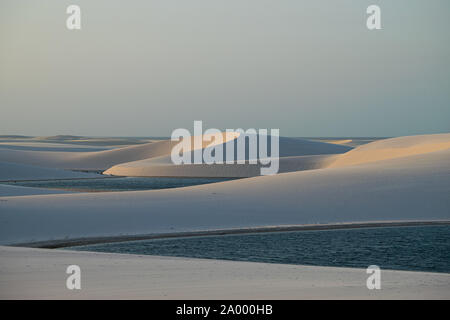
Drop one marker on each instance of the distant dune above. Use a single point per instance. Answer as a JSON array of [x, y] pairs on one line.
[[163, 166], [13, 136], [411, 185], [96, 160], [49, 146], [16, 171], [60, 137], [296, 154], [345, 141]]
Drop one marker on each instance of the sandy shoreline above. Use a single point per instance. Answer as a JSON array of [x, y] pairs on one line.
[[63, 243], [41, 274]]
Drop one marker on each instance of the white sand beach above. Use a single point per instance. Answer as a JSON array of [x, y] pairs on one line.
[[41, 274]]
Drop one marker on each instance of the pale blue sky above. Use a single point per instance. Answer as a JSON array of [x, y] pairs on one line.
[[144, 68]]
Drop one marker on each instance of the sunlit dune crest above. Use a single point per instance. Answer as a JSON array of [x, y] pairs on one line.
[[393, 148]]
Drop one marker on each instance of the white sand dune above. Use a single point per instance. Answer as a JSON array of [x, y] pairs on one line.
[[399, 179], [9, 191], [93, 141], [295, 155], [163, 166], [60, 137], [40, 274], [409, 188], [353, 142], [99, 160], [44, 146], [16, 171], [156, 159], [393, 148], [99, 142]]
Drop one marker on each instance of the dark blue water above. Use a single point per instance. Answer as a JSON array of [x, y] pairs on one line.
[[117, 184], [424, 248]]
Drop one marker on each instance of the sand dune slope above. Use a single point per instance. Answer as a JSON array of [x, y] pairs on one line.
[[157, 153], [16, 171], [408, 188], [44, 146], [163, 166], [9, 191], [294, 155], [393, 148], [99, 160]]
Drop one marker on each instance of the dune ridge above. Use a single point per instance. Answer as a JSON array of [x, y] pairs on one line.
[[294, 155], [412, 184], [393, 148], [156, 161], [409, 188], [405, 180]]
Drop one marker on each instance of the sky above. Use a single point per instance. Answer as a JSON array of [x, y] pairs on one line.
[[146, 67]]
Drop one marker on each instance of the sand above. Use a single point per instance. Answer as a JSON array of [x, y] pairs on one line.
[[393, 148], [16, 191], [155, 153], [44, 146], [295, 155], [401, 179], [95, 160], [40, 274], [163, 166], [410, 188], [14, 172]]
